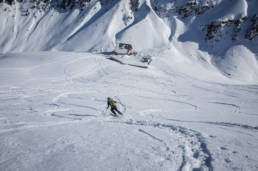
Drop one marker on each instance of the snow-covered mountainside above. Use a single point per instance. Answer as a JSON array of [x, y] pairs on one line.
[[192, 105], [53, 116], [225, 30], [62, 23]]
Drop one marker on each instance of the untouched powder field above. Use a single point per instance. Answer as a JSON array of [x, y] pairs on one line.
[[53, 115]]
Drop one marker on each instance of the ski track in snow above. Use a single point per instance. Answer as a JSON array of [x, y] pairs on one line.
[[194, 148], [225, 124], [78, 97], [237, 107], [193, 141], [193, 108]]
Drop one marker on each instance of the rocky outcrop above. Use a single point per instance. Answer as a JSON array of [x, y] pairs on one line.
[[194, 8], [201, 21], [216, 28], [43, 4], [252, 31], [134, 5]]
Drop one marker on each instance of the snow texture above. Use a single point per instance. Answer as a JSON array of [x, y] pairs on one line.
[[194, 107]]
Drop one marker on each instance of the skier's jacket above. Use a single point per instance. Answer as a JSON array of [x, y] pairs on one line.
[[111, 102]]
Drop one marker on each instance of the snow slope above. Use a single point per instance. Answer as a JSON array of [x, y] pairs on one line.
[[193, 108], [53, 116], [203, 27]]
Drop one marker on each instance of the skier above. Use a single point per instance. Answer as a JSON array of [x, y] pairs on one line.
[[111, 102]]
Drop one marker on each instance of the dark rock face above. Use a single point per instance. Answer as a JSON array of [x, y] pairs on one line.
[[10, 2], [236, 25], [134, 5], [214, 28], [252, 31], [62, 4], [71, 3], [194, 8]]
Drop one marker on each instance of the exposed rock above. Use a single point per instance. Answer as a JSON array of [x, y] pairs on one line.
[[252, 31], [43, 4], [134, 5], [217, 27], [194, 8]]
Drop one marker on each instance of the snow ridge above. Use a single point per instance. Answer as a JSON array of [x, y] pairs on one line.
[[205, 27]]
